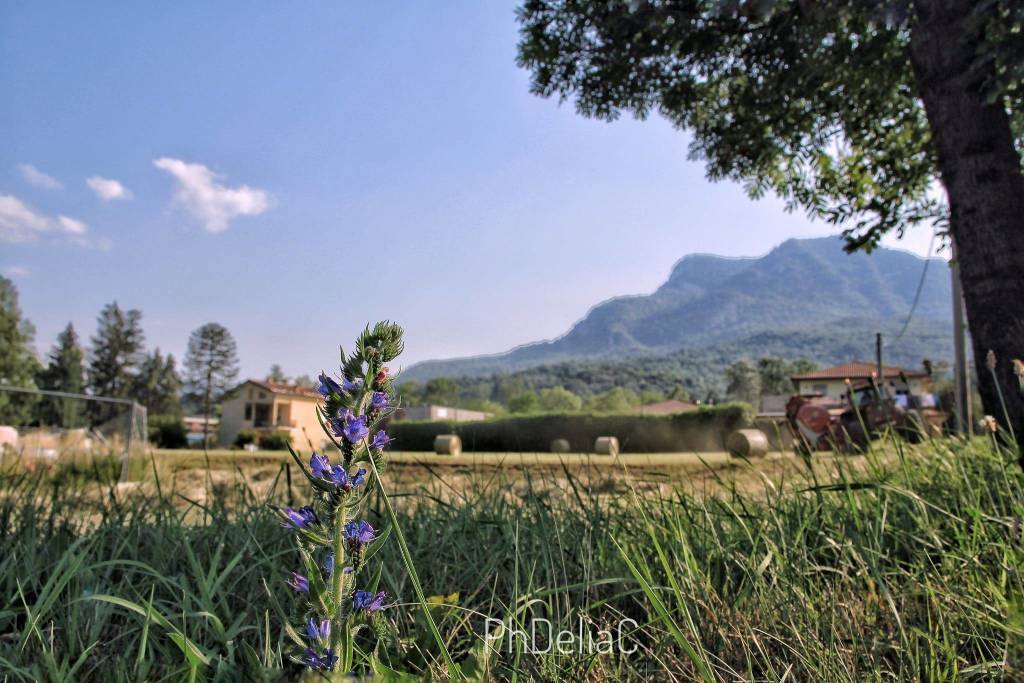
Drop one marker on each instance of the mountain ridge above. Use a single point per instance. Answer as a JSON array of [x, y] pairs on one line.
[[709, 299]]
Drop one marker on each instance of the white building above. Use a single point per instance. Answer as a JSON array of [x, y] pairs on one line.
[[832, 382]]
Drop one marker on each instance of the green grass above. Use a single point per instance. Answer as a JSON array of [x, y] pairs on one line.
[[908, 569]]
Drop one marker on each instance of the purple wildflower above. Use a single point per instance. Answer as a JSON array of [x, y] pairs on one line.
[[380, 440], [320, 465], [359, 533], [365, 600], [340, 478], [360, 478], [326, 386], [323, 662], [301, 518], [352, 427], [353, 385], [299, 583], [379, 400], [318, 630], [355, 429]]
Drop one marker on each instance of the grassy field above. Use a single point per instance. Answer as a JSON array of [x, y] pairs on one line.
[[904, 564]]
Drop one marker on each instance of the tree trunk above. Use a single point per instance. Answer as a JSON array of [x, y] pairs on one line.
[[981, 171], [206, 412]]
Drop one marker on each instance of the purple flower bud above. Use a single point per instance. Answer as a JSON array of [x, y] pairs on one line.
[[318, 630], [353, 385], [381, 440], [326, 386], [301, 518], [329, 565], [365, 600], [359, 479], [379, 400], [299, 583], [359, 533], [319, 464]]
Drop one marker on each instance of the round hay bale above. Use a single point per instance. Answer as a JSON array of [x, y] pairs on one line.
[[747, 443], [447, 444], [606, 445], [560, 446]]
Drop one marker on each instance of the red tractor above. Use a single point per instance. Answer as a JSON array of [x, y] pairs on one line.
[[820, 423]]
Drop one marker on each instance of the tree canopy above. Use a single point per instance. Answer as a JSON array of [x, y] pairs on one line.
[[855, 111]]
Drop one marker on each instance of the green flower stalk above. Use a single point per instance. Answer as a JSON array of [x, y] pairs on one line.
[[333, 542]]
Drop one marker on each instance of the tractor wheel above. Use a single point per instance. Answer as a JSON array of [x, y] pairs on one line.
[[913, 428], [857, 439]]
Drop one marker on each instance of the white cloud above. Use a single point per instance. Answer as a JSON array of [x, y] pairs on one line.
[[108, 188], [21, 223], [71, 226], [207, 199], [33, 176], [17, 271], [18, 222]]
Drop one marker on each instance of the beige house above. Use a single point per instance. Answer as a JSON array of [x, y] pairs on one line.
[[831, 382], [270, 407]]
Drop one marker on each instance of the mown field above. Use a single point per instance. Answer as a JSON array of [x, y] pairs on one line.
[[904, 564]]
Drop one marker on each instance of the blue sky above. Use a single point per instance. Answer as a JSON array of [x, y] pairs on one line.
[[294, 171]]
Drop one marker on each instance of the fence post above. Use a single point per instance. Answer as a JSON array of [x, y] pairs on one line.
[[288, 481]]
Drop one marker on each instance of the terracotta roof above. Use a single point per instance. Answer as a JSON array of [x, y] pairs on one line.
[[858, 370], [665, 407], [284, 389]]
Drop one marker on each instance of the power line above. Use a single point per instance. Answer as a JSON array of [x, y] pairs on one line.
[[920, 287]]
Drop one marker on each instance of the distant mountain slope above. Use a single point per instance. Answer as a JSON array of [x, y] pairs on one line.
[[701, 370], [707, 299]]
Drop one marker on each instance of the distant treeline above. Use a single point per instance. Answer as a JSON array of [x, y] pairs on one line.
[[744, 370]]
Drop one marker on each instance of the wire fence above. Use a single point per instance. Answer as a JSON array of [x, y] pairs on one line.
[[46, 427]]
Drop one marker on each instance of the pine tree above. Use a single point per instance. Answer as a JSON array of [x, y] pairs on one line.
[[158, 386], [276, 374], [116, 354], [18, 362], [211, 367], [64, 372]]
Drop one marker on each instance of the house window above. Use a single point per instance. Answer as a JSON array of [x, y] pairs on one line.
[[261, 415], [248, 411], [821, 389]]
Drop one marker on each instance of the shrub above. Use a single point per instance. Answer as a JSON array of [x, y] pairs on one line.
[[246, 437], [167, 431], [275, 441], [704, 429]]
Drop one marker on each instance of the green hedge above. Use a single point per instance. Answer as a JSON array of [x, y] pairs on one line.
[[274, 441], [167, 431], [699, 430]]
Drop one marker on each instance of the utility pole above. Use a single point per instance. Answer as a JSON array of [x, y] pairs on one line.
[[962, 389], [878, 363]]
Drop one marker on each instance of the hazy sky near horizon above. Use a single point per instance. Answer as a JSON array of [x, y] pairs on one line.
[[294, 171]]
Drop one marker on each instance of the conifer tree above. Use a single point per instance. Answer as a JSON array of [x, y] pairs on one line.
[[211, 367], [158, 385], [116, 353], [18, 362], [64, 372]]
